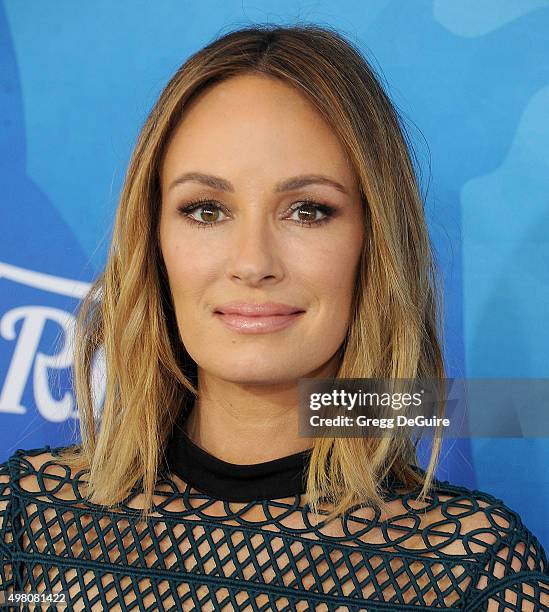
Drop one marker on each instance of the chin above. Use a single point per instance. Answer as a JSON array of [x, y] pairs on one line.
[[252, 369], [256, 375], [262, 372]]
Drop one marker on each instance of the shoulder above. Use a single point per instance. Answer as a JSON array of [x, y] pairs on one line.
[[41, 477], [451, 520], [455, 547], [479, 512], [511, 567], [40, 473], [5, 495], [32, 460], [24, 475], [484, 522]]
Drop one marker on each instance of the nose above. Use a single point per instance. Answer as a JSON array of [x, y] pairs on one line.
[[254, 255]]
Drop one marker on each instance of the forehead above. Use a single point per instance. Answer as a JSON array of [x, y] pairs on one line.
[[255, 124]]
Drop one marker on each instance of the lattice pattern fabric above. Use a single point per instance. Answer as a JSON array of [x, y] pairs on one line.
[[460, 551]]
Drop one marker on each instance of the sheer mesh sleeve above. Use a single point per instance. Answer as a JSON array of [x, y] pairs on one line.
[[6, 533], [515, 574]]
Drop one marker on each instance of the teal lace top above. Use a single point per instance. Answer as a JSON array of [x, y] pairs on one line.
[[229, 537]]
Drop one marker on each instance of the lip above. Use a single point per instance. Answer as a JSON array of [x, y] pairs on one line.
[[258, 324], [251, 318], [249, 309]]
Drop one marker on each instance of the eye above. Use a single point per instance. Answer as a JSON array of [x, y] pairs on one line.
[[307, 211], [208, 212]]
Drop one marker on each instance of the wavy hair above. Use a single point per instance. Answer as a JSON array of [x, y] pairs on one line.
[[395, 330]]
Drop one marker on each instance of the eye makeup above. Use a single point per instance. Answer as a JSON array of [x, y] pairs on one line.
[[326, 210]]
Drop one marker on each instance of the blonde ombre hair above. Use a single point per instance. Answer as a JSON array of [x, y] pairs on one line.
[[395, 331]]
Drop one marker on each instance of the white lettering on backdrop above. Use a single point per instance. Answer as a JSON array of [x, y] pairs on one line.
[[27, 359]]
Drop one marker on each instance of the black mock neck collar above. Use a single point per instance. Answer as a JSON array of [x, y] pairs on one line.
[[283, 477]]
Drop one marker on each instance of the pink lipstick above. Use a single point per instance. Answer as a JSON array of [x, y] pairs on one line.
[[251, 318]]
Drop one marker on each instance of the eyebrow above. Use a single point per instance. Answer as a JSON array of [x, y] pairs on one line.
[[291, 184]]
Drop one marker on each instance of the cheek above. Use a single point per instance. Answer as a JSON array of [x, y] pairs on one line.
[[189, 265], [335, 272], [189, 275]]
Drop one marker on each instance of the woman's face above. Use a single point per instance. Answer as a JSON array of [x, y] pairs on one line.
[[255, 150]]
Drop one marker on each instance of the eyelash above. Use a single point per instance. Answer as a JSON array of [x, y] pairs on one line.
[[189, 208]]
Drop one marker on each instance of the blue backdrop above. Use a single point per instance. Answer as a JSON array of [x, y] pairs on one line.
[[472, 80]]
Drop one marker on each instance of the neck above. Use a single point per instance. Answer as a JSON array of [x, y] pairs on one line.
[[248, 423]]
